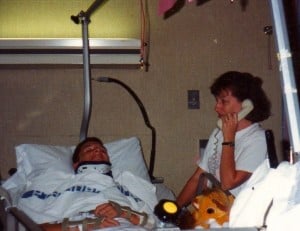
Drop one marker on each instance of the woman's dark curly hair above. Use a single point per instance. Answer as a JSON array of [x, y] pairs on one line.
[[75, 157], [244, 86]]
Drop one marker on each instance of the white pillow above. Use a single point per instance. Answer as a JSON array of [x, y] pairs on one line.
[[37, 159]]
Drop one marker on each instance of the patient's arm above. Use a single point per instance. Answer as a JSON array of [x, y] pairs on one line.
[[107, 211], [56, 227], [107, 222]]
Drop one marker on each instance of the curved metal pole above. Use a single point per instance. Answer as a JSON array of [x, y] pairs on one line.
[[84, 19], [87, 81], [146, 120]]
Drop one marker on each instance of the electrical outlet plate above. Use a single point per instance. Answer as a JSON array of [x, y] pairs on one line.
[[193, 99]]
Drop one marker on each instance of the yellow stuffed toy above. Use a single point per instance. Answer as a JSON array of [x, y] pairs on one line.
[[211, 204]]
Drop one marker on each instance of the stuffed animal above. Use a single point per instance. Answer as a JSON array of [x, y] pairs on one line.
[[211, 205]]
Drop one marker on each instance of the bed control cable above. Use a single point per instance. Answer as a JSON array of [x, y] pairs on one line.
[[146, 120]]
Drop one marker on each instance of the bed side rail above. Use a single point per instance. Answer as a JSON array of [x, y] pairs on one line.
[[23, 219], [11, 218]]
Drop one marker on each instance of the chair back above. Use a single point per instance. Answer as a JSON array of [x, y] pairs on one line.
[[273, 159]]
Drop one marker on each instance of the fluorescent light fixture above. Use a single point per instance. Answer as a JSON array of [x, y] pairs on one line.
[[69, 51]]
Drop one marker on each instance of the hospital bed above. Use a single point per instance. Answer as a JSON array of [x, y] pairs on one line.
[[37, 163]]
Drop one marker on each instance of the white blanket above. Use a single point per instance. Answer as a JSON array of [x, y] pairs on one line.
[[65, 195], [271, 197]]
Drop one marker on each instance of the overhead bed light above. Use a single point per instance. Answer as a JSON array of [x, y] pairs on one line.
[[69, 51]]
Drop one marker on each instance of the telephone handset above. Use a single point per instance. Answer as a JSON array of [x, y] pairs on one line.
[[247, 107]]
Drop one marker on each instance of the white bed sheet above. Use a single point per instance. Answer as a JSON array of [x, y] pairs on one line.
[[142, 189], [64, 196]]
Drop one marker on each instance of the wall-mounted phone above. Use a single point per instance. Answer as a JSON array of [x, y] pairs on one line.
[[247, 107]]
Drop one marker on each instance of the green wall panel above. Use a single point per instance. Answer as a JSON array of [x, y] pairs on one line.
[[51, 19]]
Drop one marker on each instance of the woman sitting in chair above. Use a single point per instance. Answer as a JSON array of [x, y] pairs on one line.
[[238, 146]]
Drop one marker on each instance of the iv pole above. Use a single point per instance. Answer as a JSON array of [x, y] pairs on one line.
[[84, 18], [291, 104]]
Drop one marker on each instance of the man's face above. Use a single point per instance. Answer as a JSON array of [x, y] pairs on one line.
[[93, 151]]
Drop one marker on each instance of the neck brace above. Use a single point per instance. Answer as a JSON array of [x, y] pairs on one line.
[[102, 167]]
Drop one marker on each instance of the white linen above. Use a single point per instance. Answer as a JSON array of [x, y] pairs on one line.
[[65, 195], [140, 187], [280, 185]]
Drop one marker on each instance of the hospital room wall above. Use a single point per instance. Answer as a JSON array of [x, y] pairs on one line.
[[187, 51]]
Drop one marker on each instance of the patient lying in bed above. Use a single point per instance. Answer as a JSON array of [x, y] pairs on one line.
[[91, 197], [91, 156]]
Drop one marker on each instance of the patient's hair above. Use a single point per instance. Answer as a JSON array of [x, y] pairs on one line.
[[75, 157], [245, 86]]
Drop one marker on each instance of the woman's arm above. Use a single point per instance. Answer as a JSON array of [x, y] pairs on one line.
[[190, 189], [229, 176]]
